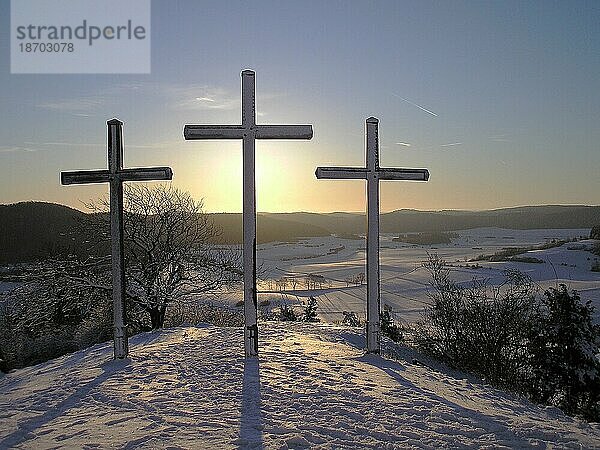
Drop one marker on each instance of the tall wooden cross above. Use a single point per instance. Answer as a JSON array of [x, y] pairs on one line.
[[372, 173], [115, 176], [248, 131]]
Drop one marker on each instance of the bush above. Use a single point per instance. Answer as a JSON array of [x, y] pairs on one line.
[[194, 313], [310, 311], [564, 352], [3, 365], [545, 347], [96, 327], [350, 319], [39, 322], [23, 349], [287, 314], [357, 279], [388, 327], [477, 328], [526, 259], [427, 238], [509, 253]]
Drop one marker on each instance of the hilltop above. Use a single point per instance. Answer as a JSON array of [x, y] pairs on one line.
[[312, 386]]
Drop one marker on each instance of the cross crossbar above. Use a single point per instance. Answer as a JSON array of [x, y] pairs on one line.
[[403, 174], [284, 132], [360, 173], [342, 173], [104, 176], [193, 132], [84, 177], [204, 132]]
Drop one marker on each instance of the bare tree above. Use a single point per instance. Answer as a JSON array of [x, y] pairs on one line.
[[167, 249], [168, 255], [356, 279]]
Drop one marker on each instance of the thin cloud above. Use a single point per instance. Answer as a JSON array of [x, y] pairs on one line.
[[500, 138], [205, 99], [430, 147], [414, 104], [201, 97], [177, 96], [16, 149], [153, 145], [82, 105], [65, 144], [157, 145], [74, 105], [452, 144]]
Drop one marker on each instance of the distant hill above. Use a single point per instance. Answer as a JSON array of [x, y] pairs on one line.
[[408, 220], [34, 230], [268, 229], [335, 223], [521, 218]]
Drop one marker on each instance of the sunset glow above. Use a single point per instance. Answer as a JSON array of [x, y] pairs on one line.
[[501, 106]]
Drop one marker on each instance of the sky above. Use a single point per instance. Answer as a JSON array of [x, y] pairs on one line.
[[500, 100]]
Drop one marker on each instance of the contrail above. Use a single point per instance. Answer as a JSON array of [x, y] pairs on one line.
[[414, 104], [452, 144]]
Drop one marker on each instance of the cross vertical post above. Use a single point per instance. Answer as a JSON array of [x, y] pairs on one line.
[[373, 298], [115, 165], [248, 132], [373, 174], [249, 213], [115, 176]]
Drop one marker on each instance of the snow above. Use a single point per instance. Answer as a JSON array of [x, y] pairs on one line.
[[405, 283], [312, 386], [7, 286]]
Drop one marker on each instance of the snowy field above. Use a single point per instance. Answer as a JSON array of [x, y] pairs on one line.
[[312, 387], [404, 282], [6, 286]]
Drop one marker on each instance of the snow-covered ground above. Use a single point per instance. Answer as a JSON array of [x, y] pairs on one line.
[[405, 283], [312, 386], [6, 286]]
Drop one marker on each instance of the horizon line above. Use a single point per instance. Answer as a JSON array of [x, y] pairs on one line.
[[363, 212]]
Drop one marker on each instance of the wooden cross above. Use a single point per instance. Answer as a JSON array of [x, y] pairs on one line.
[[248, 131], [372, 173], [115, 176]]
